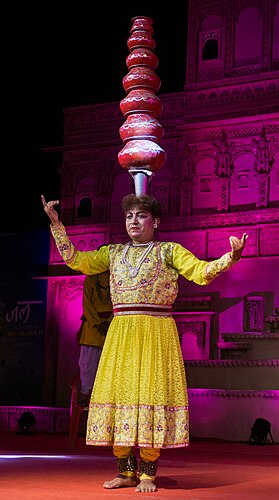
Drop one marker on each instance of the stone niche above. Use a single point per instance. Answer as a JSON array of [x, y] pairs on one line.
[[197, 324], [195, 331]]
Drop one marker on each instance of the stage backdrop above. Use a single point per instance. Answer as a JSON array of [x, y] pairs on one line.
[[24, 257]]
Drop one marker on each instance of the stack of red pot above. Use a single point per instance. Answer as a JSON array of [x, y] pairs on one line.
[[141, 132]]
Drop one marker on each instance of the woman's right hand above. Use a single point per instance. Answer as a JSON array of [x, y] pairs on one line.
[[50, 210]]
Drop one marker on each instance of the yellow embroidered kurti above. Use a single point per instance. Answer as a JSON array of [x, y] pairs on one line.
[[140, 391]]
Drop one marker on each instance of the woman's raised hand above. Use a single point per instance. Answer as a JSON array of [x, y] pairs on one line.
[[237, 246], [50, 210]]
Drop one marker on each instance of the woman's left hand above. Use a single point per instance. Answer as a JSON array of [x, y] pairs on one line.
[[237, 246]]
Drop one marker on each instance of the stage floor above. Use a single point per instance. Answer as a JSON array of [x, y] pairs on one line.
[[42, 466]]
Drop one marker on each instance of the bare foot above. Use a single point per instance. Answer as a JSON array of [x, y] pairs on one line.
[[120, 482], [146, 485]]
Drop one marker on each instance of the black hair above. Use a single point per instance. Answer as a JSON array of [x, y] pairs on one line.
[[144, 201]]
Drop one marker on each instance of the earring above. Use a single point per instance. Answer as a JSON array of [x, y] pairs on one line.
[[155, 226]]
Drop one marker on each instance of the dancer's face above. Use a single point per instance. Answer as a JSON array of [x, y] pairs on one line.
[[139, 225]]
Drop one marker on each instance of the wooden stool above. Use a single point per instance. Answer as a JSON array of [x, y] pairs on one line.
[[75, 412]]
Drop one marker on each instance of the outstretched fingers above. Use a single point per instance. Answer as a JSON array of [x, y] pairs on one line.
[[237, 243], [50, 204], [49, 208], [244, 238]]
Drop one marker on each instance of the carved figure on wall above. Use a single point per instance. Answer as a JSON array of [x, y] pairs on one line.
[[264, 158], [188, 171], [104, 180], [188, 165], [224, 162], [264, 151]]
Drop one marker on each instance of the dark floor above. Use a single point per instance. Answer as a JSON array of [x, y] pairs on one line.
[[41, 466]]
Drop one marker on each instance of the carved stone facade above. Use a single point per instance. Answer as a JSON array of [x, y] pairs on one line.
[[221, 177]]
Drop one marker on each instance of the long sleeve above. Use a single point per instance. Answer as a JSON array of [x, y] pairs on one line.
[[91, 262], [216, 267], [199, 271], [63, 243]]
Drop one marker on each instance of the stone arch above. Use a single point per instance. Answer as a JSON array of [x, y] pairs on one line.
[[210, 58], [84, 198]]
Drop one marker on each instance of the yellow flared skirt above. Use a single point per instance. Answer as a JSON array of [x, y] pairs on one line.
[[140, 392]]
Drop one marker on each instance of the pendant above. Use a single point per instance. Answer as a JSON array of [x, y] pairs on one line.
[[133, 272]]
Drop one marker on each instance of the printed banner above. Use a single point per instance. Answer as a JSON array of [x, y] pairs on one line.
[[23, 292]]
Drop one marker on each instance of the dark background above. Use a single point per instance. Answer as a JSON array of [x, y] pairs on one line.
[[64, 54]]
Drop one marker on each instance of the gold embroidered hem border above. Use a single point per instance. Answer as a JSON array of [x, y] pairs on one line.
[[145, 425]]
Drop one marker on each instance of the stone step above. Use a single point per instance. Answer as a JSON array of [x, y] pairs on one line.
[[233, 345], [237, 374], [233, 350], [251, 345], [250, 336]]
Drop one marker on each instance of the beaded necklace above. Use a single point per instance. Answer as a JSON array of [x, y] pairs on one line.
[[133, 270]]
